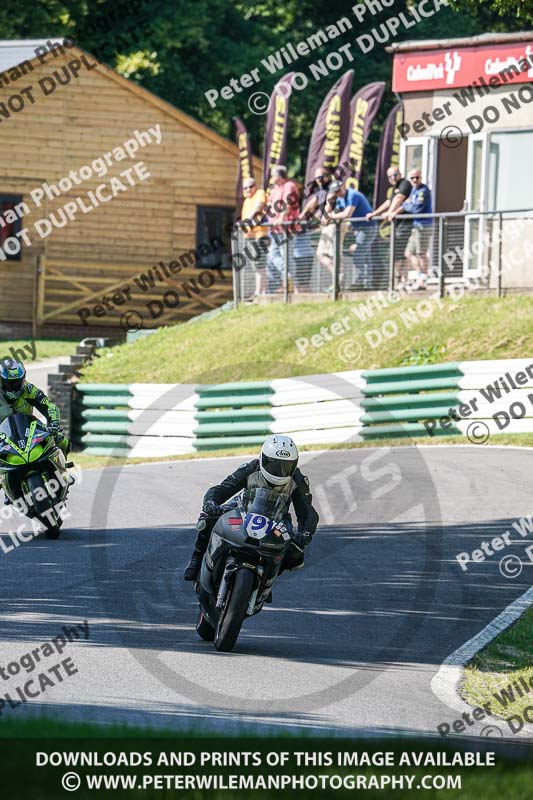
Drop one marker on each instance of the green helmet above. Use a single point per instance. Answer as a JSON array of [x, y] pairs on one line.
[[12, 379]]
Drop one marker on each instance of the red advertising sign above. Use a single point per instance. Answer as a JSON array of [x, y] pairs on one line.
[[426, 70]]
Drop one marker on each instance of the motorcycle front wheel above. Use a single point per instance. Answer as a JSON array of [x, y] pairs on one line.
[[42, 506], [234, 611]]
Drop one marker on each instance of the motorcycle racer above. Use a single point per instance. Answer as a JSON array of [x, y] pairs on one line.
[[275, 469], [17, 396]]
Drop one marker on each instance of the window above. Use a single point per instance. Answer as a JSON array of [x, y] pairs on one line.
[[509, 178], [414, 155], [213, 239], [9, 226], [477, 167]]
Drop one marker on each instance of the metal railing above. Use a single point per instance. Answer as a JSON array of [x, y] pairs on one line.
[[484, 251]]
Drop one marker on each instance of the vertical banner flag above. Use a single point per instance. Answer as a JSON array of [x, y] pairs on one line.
[[275, 148], [331, 129], [389, 154], [363, 110], [245, 167]]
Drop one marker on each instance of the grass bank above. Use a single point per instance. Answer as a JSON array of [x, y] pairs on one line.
[[495, 672], [44, 348], [260, 342]]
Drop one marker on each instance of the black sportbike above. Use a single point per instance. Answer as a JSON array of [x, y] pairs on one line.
[[241, 563]]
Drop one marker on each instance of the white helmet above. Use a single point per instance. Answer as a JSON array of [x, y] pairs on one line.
[[279, 459]]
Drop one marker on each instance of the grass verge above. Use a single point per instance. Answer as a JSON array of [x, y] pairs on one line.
[[44, 348], [87, 461], [259, 342], [503, 665], [414, 762]]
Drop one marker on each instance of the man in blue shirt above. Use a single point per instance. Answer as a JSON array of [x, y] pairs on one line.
[[419, 202], [353, 205]]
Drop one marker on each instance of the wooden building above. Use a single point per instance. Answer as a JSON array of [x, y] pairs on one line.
[[91, 238]]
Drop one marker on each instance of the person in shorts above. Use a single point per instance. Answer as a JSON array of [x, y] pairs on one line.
[[255, 235], [419, 202]]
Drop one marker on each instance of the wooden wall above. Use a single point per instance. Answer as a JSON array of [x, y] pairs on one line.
[[153, 221]]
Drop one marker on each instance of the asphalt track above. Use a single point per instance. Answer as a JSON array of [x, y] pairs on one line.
[[350, 643]]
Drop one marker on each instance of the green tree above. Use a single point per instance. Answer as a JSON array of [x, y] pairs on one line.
[[179, 49]]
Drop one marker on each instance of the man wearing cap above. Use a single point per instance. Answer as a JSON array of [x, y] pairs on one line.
[[256, 235], [419, 202]]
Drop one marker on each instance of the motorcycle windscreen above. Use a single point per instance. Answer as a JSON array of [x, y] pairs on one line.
[[16, 426], [266, 502]]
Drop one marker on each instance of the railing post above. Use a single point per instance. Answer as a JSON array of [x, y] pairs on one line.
[[39, 290], [500, 233], [440, 257], [286, 265], [391, 256], [235, 268], [336, 261]]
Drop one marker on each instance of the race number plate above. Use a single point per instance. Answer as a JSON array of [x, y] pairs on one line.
[[256, 526]]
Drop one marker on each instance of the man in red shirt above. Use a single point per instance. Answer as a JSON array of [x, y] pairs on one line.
[[283, 201]]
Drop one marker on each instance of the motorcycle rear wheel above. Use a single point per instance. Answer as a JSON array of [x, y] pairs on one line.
[[234, 611]]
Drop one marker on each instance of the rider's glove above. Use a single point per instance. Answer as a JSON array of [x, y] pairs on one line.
[[301, 540], [53, 427], [212, 509]]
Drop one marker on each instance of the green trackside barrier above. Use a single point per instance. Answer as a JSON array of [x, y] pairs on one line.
[[397, 387], [403, 396], [108, 400], [408, 400], [234, 415], [411, 379], [102, 388], [231, 414], [106, 427], [103, 409], [232, 429], [405, 414], [395, 402], [257, 387], [234, 396], [412, 373], [232, 401], [220, 442], [407, 429], [105, 414], [113, 452], [107, 439]]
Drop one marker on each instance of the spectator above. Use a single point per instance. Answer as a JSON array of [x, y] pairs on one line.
[[252, 213], [304, 256], [284, 202], [319, 206], [419, 202], [352, 204], [317, 201], [390, 209]]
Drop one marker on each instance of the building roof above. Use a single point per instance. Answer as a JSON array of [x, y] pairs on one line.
[[14, 51], [470, 41]]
